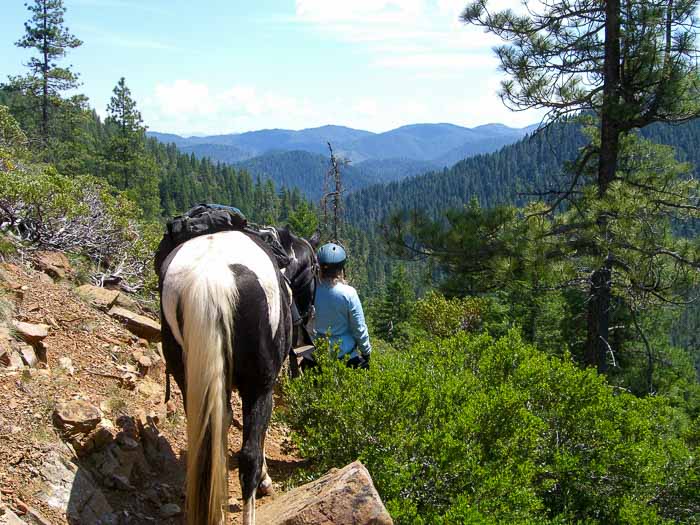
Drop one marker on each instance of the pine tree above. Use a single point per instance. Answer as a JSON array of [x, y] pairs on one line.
[[304, 220], [46, 82], [395, 306], [128, 165], [629, 63]]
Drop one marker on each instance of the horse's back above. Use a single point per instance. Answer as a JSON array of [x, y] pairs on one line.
[[221, 257]]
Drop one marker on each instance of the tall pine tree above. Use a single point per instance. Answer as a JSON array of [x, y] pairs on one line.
[[128, 165], [629, 63], [46, 82]]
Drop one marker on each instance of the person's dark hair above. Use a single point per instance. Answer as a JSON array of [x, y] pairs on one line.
[[332, 272]]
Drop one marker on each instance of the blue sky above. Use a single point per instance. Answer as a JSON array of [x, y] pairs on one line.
[[222, 66]]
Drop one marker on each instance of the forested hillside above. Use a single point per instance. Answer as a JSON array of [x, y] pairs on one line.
[[303, 171], [508, 176]]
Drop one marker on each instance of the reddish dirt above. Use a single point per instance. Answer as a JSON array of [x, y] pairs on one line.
[[96, 344]]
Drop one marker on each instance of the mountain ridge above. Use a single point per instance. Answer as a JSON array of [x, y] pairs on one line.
[[423, 141]]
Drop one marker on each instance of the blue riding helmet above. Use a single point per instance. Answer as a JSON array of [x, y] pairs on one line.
[[331, 254]]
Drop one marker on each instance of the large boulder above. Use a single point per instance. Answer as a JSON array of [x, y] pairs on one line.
[[55, 264], [341, 497], [139, 325]]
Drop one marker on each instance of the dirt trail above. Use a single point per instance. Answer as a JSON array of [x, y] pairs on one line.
[[97, 345]]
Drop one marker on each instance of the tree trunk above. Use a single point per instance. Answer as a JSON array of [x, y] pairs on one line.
[[597, 345], [45, 82]]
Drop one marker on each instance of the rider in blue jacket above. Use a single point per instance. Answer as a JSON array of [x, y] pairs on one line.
[[339, 312]]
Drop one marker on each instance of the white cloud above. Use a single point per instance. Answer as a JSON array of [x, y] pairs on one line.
[[404, 33], [185, 106], [188, 107]]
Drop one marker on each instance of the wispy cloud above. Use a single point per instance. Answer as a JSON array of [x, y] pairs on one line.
[[404, 33]]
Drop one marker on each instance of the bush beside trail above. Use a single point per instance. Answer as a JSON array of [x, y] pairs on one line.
[[80, 214], [476, 429]]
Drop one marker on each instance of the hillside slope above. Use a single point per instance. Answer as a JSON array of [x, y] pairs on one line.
[[502, 177]]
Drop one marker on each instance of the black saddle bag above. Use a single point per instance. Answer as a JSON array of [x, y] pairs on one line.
[[204, 219]]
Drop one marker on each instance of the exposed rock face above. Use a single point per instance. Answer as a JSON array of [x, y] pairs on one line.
[[139, 325], [341, 497], [7, 517], [74, 491], [102, 298], [76, 416], [55, 264]]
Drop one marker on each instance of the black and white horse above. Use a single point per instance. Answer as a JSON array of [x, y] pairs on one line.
[[227, 322]]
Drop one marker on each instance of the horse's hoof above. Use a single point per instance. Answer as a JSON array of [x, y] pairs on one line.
[[265, 488]]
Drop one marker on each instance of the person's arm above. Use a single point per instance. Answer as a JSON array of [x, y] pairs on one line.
[[358, 325]]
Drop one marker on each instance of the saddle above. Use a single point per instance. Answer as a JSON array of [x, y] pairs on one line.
[[205, 219]]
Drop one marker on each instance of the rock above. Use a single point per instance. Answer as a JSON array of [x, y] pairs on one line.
[[76, 416], [45, 278], [31, 333], [28, 354], [56, 264], [100, 297], [149, 388], [155, 444], [342, 497], [127, 302], [31, 515], [72, 491], [96, 440], [66, 364], [170, 510], [139, 325], [7, 517], [11, 360]]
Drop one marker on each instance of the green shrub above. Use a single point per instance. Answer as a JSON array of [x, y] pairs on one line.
[[472, 429]]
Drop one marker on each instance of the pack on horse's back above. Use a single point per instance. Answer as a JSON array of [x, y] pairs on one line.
[[227, 322]]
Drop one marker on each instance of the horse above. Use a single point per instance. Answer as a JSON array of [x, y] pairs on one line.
[[226, 310]]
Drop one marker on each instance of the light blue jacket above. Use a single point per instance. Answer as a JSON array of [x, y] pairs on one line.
[[339, 315]]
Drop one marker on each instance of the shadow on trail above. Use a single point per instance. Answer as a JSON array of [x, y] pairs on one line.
[[129, 477]]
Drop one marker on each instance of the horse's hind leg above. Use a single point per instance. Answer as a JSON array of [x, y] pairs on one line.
[[257, 409], [265, 486]]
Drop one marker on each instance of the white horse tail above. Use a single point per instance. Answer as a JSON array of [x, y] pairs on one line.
[[207, 303]]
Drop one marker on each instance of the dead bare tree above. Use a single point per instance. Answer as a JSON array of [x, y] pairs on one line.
[[333, 194]]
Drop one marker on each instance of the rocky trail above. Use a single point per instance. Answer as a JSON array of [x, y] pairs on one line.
[[85, 435]]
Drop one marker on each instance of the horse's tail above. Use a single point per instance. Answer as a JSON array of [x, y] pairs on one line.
[[207, 307]]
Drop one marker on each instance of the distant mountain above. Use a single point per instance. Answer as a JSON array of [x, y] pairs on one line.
[[436, 143], [439, 144], [168, 138], [256, 143]]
